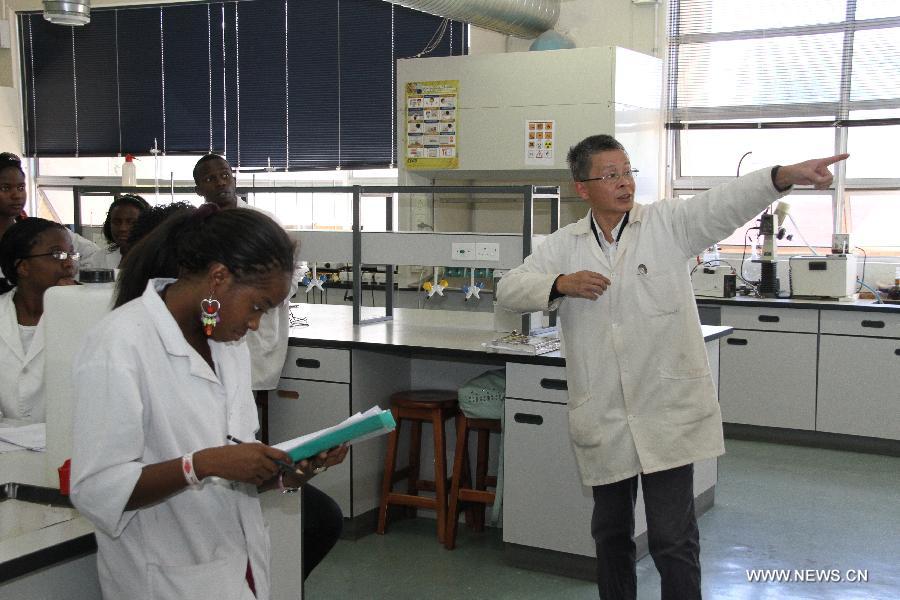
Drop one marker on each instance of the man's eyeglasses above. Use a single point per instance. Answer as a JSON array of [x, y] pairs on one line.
[[58, 255], [613, 177]]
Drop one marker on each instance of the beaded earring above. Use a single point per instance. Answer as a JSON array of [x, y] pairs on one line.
[[209, 314]]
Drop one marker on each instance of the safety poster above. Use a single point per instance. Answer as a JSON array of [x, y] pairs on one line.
[[539, 137], [431, 120]]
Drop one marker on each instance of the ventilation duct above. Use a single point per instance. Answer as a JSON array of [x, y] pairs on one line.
[[519, 18], [68, 12]]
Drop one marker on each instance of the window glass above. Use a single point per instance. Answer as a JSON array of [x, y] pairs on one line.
[[777, 70], [876, 63], [866, 146], [707, 152], [874, 218], [713, 16], [876, 9], [812, 217]]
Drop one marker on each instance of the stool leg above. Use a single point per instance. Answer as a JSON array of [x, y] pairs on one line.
[[459, 463], [481, 469], [440, 472], [415, 447], [390, 461]]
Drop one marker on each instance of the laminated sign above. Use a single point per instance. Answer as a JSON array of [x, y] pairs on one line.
[[431, 109]]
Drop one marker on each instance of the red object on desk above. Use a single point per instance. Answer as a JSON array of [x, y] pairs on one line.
[[64, 472]]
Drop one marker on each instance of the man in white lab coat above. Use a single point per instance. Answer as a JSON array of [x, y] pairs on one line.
[[641, 398]]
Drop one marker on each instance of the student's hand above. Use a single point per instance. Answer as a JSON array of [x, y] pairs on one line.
[[583, 284], [249, 463], [811, 172], [323, 460]]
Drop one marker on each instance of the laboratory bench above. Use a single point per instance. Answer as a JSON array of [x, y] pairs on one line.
[[823, 373], [335, 368], [45, 551]]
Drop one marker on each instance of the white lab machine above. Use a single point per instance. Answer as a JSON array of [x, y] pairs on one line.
[[829, 276], [718, 281]]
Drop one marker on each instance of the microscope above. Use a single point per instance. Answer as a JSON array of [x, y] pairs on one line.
[[771, 230]]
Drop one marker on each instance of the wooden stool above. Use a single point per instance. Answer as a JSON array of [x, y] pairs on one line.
[[418, 406], [459, 485]]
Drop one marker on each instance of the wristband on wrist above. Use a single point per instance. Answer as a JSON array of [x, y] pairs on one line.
[[187, 469]]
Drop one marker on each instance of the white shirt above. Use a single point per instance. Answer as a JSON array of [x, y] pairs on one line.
[[22, 394], [144, 396], [609, 248], [641, 397]]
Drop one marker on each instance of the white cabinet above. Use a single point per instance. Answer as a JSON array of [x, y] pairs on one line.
[[301, 406], [767, 367], [544, 503], [859, 377]]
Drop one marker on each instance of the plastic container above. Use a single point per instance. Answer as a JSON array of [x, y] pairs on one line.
[[129, 173], [64, 472]]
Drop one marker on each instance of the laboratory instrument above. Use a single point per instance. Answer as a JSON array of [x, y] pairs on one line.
[[830, 276]]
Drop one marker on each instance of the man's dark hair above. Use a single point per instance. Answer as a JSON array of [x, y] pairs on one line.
[[205, 159], [579, 157], [153, 216]]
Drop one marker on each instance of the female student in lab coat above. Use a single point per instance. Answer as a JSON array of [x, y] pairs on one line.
[[13, 196], [123, 213], [159, 384], [36, 255]]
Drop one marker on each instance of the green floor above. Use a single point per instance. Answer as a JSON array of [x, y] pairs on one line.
[[777, 507]]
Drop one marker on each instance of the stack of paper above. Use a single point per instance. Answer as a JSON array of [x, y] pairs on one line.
[[26, 437], [524, 344], [359, 427]]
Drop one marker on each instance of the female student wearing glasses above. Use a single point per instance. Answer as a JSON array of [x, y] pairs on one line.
[[35, 255], [160, 385]]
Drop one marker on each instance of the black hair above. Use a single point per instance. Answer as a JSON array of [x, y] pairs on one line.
[[149, 219], [205, 159], [579, 157], [8, 159], [17, 243], [124, 200], [249, 243]]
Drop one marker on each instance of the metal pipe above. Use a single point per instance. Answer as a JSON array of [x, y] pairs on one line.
[[520, 18]]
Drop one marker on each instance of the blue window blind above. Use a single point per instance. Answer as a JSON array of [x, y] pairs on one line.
[[291, 84]]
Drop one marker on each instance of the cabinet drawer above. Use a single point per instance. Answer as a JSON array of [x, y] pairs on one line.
[[853, 322], [798, 320], [320, 364], [537, 382]]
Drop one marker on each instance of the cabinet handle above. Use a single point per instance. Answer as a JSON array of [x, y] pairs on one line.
[[736, 341], [897, 351], [554, 384], [529, 419], [289, 394], [873, 324], [769, 318], [308, 363]]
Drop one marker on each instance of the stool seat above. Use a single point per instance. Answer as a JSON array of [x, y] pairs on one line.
[[426, 399], [418, 407]]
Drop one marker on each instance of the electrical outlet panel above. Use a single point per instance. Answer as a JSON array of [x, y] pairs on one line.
[[460, 251], [484, 251]]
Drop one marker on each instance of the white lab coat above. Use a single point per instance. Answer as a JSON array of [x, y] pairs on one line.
[[641, 397], [21, 373], [144, 396], [268, 344], [103, 258]]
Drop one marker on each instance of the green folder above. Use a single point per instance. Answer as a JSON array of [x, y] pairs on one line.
[[382, 422]]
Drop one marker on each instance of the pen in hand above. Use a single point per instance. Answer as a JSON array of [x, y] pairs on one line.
[[284, 466]]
